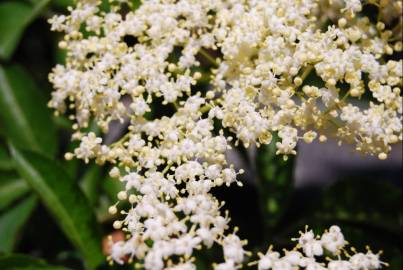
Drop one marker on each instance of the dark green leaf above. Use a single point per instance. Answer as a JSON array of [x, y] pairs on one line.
[[12, 24], [62, 3], [23, 262], [65, 200], [24, 116], [12, 221], [5, 161], [10, 190], [275, 181], [13, 261], [346, 201], [15, 16]]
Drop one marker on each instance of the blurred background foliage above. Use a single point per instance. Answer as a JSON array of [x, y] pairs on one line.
[[53, 213]]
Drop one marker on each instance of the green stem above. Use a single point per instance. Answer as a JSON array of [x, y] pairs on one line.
[[167, 168], [205, 108], [306, 72], [208, 57], [121, 140]]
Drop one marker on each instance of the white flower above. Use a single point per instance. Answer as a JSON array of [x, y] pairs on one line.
[[360, 261], [267, 261], [186, 244], [227, 265], [293, 257], [133, 180], [88, 147], [153, 260], [333, 240], [183, 266], [310, 245], [233, 249], [339, 265], [353, 5], [139, 106], [118, 251]]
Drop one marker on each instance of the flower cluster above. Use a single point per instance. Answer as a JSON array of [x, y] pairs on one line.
[[332, 241], [270, 67]]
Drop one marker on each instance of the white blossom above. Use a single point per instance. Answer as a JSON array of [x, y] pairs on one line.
[[256, 57]]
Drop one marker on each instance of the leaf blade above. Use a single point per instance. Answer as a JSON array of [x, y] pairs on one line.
[[65, 201], [14, 18], [24, 116], [274, 174], [90, 183], [12, 221], [6, 163], [11, 190], [24, 262]]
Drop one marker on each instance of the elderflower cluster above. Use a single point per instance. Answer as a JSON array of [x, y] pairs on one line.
[[228, 72], [309, 247]]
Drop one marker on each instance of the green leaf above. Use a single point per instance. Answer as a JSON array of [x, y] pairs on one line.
[[65, 200], [90, 183], [5, 161], [12, 221], [12, 24], [62, 3], [275, 182], [136, 4], [15, 16], [111, 187], [24, 116], [11, 190], [346, 202], [62, 122], [24, 262], [13, 261]]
